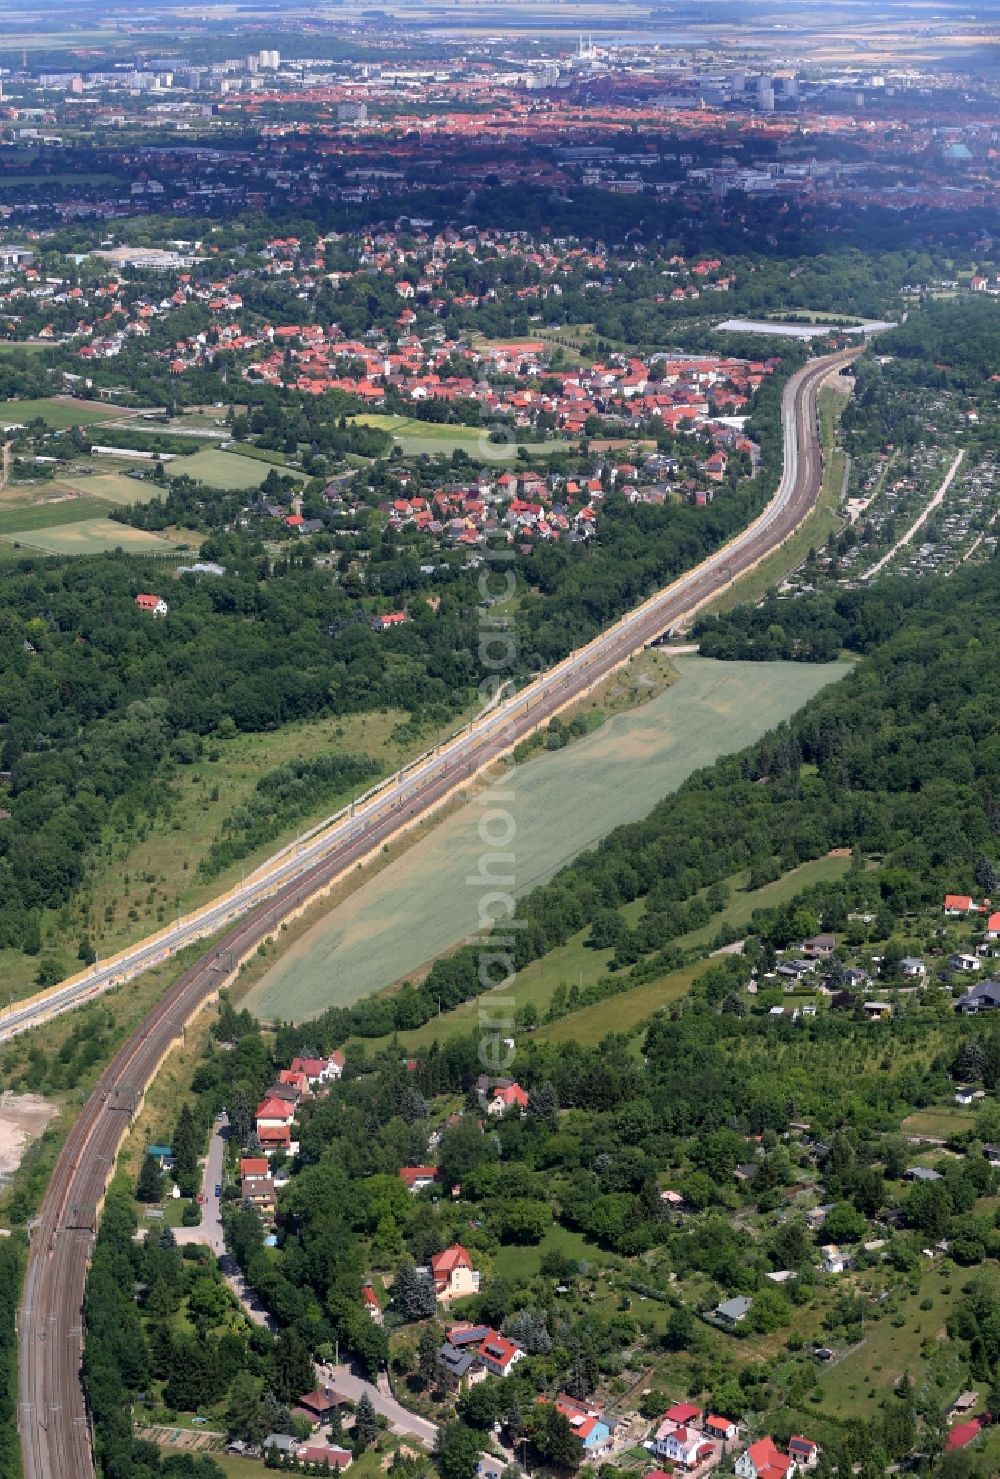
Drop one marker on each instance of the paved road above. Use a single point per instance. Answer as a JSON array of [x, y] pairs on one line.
[[209, 1230], [55, 1440], [402, 1421]]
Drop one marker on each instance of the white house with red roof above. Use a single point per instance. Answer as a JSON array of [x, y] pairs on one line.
[[498, 1354], [152, 605], [453, 1273], [505, 1098], [319, 1070], [992, 931], [958, 904], [762, 1460], [274, 1113], [415, 1178], [373, 1305]]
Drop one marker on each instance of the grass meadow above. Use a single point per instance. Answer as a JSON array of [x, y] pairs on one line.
[[415, 436]]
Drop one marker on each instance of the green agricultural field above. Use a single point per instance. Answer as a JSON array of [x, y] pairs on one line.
[[56, 412], [420, 905], [49, 514], [90, 537], [221, 470], [28, 346], [111, 487], [415, 437]]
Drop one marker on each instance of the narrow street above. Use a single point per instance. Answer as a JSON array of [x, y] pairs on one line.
[[401, 1421]]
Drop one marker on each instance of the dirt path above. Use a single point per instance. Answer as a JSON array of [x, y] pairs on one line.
[[5, 465], [921, 519]]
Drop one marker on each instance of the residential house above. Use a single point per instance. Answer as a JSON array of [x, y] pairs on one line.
[[258, 1192], [152, 605], [682, 1414], [371, 1302], [319, 1070], [961, 961], [732, 1312], [921, 1173], [453, 1274], [835, 1260], [762, 1460], [679, 1446], [319, 1454], [587, 1423], [804, 1451], [819, 946], [386, 623], [416, 1178], [982, 998], [723, 1429], [511, 1096], [498, 1354], [912, 967], [322, 1405], [878, 1011], [459, 1368], [956, 905], [992, 931], [274, 1113]]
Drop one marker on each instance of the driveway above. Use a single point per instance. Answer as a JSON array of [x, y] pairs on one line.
[[401, 1420], [209, 1230]]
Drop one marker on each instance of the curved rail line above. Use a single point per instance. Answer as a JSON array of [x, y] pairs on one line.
[[55, 1436]]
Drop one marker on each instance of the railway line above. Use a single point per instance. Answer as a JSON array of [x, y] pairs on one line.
[[53, 1420]]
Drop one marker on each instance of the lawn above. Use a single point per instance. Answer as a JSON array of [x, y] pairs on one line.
[[421, 905], [92, 536], [222, 470], [621, 1013], [433, 438], [940, 1121], [56, 412], [514, 1263], [858, 1382], [111, 486]]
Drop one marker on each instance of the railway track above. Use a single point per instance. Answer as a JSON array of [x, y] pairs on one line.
[[53, 1421]]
